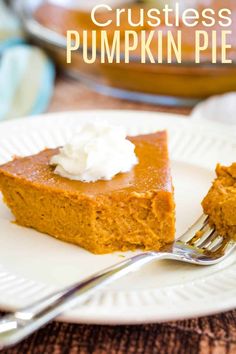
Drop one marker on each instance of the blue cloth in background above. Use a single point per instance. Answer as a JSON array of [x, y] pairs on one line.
[[26, 73]]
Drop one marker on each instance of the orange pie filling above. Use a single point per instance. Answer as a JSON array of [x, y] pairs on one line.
[[133, 210]]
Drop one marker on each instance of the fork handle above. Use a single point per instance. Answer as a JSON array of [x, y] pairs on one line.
[[19, 325]]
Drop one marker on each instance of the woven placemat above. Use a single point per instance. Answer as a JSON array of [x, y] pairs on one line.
[[213, 335]]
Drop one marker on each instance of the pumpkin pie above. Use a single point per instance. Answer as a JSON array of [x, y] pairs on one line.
[[220, 202], [133, 210], [186, 80]]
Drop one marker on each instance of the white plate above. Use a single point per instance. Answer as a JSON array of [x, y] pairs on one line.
[[33, 264]]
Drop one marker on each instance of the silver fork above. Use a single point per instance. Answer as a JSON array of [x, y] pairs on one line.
[[200, 245]]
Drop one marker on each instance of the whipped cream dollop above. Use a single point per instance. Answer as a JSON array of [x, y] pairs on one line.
[[98, 151]]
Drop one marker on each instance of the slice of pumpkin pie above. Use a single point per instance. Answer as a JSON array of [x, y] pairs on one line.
[[134, 209], [220, 202]]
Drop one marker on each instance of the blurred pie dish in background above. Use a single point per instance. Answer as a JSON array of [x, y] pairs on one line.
[[172, 83]]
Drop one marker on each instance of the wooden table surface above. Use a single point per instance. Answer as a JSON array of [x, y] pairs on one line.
[[213, 335]]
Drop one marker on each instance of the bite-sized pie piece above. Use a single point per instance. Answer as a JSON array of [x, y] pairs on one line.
[[220, 202], [133, 210]]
